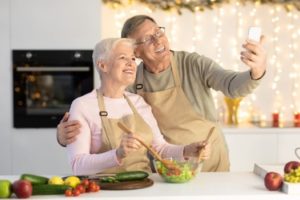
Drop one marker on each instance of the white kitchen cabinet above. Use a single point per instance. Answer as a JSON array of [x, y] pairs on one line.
[[287, 142], [249, 145]]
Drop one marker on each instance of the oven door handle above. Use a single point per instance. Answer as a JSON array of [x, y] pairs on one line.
[[53, 69]]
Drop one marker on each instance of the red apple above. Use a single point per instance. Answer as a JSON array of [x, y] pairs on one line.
[[273, 181], [292, 165], [22, 188]]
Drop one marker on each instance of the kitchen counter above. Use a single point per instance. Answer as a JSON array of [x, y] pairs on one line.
[[246, 128], [207, 186]]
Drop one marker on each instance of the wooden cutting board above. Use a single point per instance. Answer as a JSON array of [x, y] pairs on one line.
[[127, 185]]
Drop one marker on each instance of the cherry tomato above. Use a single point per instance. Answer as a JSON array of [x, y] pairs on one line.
[[92, 188], [92, 183], [81, 188], [85, 182], [177, 172], [68, 193], [97, 188], [76, 192]]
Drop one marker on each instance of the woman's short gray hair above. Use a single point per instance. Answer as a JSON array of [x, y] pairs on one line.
[[132, 23], [104, 48]]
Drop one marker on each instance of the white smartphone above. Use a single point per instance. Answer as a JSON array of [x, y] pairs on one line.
[[254, 33]]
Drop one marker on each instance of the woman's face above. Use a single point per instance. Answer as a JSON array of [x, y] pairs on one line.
[[121, 66]]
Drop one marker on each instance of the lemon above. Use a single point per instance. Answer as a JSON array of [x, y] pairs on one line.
[[72, 181], [56, 180]]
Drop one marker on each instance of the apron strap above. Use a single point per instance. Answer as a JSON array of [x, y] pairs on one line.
[[140, 76], [139, 80], [103, 115], [105, 123], [131, 105], [175, 71]]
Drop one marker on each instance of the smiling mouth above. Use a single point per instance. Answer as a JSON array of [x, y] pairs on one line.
[[160, 50], [129, 71]]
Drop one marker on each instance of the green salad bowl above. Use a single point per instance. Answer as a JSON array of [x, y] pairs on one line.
[[184, 171]]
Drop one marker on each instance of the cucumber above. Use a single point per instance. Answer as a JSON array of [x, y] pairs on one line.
[[109, 179], [47, 189], [35, 179], [131, 175]]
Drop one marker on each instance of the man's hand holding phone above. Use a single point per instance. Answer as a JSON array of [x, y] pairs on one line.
[[255, 55]]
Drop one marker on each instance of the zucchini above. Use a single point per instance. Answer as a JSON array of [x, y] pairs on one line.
[[35, 179], [47, 189], [131, 176]]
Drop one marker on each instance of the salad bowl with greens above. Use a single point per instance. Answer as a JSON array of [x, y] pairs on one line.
[[185, 170]]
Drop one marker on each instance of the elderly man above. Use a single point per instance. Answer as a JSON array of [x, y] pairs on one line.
[[177, 86]]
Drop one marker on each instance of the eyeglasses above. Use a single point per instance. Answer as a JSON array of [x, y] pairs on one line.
[[149, 39]]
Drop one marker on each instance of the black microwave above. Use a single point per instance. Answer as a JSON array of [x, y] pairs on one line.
[[45, 82]]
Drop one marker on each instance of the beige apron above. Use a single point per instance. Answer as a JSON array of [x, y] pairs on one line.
[[112, 136], [180, 123]]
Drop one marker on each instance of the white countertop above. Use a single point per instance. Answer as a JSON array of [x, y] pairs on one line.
[[248, 128], [207, 186]]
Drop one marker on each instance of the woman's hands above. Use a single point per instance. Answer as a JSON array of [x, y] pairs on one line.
[[198, 149], [128, 144]]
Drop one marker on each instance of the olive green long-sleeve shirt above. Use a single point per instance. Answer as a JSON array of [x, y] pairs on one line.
[[198, 75]]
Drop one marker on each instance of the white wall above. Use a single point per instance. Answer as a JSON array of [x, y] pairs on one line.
[[39, 24], [5, 89]]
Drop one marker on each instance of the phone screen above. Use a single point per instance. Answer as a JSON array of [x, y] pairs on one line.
[[254, 33]]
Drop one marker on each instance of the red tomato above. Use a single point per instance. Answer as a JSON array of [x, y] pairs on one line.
[[169, 173], [76, 192], [81, 188], [92, 183], [85, 182], [68, 193], [177, 172], [97, 188], [92, 188]]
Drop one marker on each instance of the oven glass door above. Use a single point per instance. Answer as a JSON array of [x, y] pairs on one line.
[[42, 94]]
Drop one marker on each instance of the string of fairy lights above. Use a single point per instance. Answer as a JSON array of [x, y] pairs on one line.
[[275, 61], [279, 91]]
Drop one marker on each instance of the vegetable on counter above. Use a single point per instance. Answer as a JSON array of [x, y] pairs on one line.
[[47, 189], [125, 176], [35, 179]]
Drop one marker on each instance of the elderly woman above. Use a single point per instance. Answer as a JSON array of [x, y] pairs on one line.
[[102, 146]]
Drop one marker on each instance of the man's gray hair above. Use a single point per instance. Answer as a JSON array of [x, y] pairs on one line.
[[132, 23]]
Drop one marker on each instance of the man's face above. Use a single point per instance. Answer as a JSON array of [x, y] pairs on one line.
[[153, 45], [121, 66]]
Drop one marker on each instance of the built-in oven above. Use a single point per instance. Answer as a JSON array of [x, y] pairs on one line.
[[45, 82]]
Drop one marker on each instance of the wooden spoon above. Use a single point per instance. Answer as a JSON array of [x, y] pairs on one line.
[[168, 164], [206, 140]]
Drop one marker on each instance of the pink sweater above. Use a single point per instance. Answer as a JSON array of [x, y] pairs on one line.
[[82, 153]]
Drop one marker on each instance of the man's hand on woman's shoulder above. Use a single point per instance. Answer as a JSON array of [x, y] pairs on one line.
[[67, 130]]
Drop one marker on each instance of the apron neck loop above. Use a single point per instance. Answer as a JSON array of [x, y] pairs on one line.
[[102, 112], [140, 76]]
